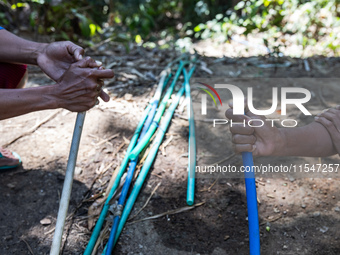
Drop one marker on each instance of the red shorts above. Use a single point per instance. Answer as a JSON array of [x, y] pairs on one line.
[[11, 75]]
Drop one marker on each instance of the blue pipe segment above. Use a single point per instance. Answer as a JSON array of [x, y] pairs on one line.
[[253, 215]]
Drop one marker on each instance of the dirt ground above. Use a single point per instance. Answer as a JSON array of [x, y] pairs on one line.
[[297, 215]]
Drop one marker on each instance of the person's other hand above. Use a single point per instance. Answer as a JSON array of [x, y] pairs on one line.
[[57, 57], [259, 140], [80, 86], [330, 119]]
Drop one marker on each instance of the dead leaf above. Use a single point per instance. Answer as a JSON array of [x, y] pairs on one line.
[[93, 212]]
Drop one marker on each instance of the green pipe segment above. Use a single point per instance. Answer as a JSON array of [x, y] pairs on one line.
[[149, 160], [134, 139], [145, 140], [192, 142]]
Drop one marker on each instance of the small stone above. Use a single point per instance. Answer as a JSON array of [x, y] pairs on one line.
[[45, 221], [226, 238], [285, 247], [324, 229], [276, 210], [140, 246], [7, 238], [11, 185], [337, 209], [128, 97], [291, 179], [316, 214], [303, 206], [284, 212], [78, 170]]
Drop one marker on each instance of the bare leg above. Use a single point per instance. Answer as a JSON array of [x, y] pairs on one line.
[[23, 81], [7, 158]]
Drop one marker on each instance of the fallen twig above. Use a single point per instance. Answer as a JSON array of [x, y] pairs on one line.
[[104, 232], [28, 246], [108, 139], [34, 128], [166, 143], [271, 220], [176, 211], [227, 158], [208, 189], [147, 201]]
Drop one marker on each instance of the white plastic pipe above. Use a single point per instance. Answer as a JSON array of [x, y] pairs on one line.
[[66, 193]]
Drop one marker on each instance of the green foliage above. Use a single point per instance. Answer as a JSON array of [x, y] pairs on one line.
[[143, 18], [308, 22], [67, 20]]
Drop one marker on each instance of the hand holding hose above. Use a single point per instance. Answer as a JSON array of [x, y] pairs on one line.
[[261, 141]]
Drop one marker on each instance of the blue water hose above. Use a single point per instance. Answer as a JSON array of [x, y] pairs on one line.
[[253, 215]]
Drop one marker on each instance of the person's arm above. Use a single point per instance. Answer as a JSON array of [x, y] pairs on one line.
[[53, 58], [14, 49], [312, 140], [330, 119], [15, 102], [77, 90]]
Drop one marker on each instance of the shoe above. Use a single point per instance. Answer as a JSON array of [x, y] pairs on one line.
[[3, 153]]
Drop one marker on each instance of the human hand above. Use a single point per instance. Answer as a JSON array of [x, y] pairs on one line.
[[55, 58], [80, 86], [330, 119], [261, 141]]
